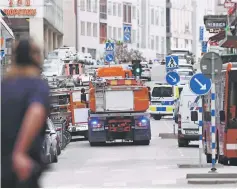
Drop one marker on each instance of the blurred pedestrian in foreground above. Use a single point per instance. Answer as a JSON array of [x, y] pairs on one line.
[[25, 102]]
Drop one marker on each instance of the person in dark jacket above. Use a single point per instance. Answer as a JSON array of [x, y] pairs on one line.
[[25, 105]]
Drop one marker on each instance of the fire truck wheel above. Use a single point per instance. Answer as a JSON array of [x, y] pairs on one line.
[[208, 158]]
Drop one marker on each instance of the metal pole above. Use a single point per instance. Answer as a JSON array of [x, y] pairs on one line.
[[213, 117], [200, 125]]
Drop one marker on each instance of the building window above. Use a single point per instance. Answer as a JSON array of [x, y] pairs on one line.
[[89, 5], [157, 17], [152, 42], [110, 32], [88, 29], [82, 5], [157, 43], [176, 42], [134, 36], [94, 29], [103, 11], [127, 13], [109, 8], [152, 16], [114, 33], [162, 16], [103, 33], [94, 5], [114, 9], [186, 43], [162, 45], [119, 33], [134, 12], [119, 10], [83, 28]]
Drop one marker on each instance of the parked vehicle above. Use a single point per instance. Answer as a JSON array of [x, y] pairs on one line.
[[185, 75], [187, 129], [146, 72]]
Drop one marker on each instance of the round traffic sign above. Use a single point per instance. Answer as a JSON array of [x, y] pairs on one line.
[[206, 64], [199, 84], [172, 78]]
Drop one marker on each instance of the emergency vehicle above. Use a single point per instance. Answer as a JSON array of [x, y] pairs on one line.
[[118, 105], [65, 103], [226, 117], [163, 98]]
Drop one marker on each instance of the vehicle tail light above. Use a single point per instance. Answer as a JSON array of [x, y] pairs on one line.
[[95, 124], [142, 123], [179, 121]]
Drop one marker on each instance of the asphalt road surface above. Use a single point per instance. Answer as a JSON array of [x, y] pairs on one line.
[[128, 166]]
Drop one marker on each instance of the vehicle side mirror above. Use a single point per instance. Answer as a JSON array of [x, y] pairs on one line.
[[194, 116], [207, 116], [47, 131], [222, 116]]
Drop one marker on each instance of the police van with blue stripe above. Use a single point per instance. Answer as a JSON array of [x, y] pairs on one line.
[[163, 99]]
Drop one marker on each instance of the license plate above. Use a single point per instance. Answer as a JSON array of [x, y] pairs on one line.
[[189, 132]]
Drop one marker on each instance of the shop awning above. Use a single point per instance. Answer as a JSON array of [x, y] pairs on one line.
[[218, 37], [229, 42]]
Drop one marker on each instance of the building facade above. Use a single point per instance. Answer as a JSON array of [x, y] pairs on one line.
[[40, 19], [99, 20]]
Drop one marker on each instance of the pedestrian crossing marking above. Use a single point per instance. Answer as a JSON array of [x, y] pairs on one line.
[[109, 47], [172, 63]]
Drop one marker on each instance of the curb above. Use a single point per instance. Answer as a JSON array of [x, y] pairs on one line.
[[168, 136], [214, 181], [183, 166]]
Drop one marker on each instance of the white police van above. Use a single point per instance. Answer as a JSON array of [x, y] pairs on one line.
[[163, 98]]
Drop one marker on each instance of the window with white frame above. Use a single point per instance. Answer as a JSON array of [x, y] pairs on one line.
[[157, 43], [134, 12], [88, 3], [119, 9], [127, 13], [134, 36], [162, 45], [114, 9], [119, 33], [186, 43], [110, 32], [88, 29], [94, 5], [152, 16], [114, 33], [162, 15], [83, 28], [82, 5], [152, 42], [94, 29], [110, 8], [157, 17]]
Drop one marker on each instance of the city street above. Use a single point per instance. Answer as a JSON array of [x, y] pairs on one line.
[[127, 165]]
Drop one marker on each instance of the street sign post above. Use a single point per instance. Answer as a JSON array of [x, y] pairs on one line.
[[211, 65], [206, 64], [109, 50], [172, 78], [172, 63], [199, 84], [127, 33]]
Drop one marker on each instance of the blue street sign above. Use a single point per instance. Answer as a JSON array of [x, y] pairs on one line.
[[127, 33], [171, 62], [109, 46], [2, 54], [109, 57], [204, 46], [199, 84], [172, 78], [201, 33]]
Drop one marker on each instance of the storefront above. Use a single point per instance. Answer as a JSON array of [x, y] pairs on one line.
[[40, 19]]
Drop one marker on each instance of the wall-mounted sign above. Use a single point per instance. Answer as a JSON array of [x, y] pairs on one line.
[[228, 4], [20, 12], [215, 23], [19, 3]]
